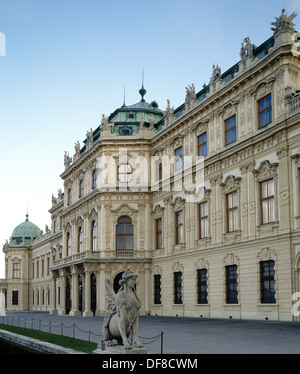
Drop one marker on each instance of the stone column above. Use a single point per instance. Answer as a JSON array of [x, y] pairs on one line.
[[244, 201], [53, 309], [87, 293], [62, 274], [147, 288], [101, 290], [283, 190], [251, 202], [75, 289]]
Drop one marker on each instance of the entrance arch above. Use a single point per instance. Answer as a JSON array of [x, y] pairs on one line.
[[116, 284]]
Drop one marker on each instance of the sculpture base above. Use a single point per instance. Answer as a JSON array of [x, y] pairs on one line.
[[119, 350]]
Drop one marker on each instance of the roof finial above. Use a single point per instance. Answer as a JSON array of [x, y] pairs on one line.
[[124, 98], [27, 213], [142, 91]]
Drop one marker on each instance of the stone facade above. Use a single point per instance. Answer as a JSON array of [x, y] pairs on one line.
[[202, 202]]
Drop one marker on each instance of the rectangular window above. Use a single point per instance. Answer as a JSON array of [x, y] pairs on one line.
[[81, 188], [158, 233], [16, 271], [95, 176], [267, 201], [179, 227], [232, 216], [158, 170], [202, 286], [179, 158], [15, 297], [230, 130], [202, 145], [231, 284], [203, 221], [267, 282], [265, 111], [43, 265], [70, 196], [125, 173], [178, 287], [157, 289]]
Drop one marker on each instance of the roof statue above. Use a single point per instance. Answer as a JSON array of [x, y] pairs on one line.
[[284, 22], [121, 316]]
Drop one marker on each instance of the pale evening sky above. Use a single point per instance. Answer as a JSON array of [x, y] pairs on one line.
[[66, 63]]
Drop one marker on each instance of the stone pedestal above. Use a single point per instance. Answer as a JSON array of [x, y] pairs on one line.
[[119, 350]]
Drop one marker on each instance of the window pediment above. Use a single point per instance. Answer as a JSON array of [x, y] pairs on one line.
[[265, 171]]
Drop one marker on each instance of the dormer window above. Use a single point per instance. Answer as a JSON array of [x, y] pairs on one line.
[[131, 116], [125, 132]]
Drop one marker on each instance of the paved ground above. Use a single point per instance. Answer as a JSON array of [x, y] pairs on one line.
[[181, 335]]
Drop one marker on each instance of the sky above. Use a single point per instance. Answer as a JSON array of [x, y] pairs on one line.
[[66, 63]]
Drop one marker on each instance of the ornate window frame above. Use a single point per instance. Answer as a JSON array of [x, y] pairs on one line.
[[231, 184], [265, 172], [266, 254]]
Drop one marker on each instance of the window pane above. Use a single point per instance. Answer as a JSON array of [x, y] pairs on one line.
[[180, 235], [233, 134], [124, 219], [271, 188], [129, 242], [264, 190], [128, 228], [262, 119], [268, 115], [179, 216], [261, 104], [271, 210], [264, 209], [268, 101], [120, 242]]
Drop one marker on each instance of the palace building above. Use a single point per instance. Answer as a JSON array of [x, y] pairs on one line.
[[202, 201]]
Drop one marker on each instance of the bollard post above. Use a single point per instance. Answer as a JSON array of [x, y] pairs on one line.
[[161, 342]]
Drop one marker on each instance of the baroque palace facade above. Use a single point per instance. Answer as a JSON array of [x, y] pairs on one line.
[[202, 202]]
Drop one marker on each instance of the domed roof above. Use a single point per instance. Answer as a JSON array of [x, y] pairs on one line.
[[26, 230]]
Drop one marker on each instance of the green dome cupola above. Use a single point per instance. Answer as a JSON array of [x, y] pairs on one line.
[[25, 231]]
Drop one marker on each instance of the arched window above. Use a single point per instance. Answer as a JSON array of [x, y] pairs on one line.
[[80, 239], [124, 234], [94, 236], [68, 244], [125, 173]]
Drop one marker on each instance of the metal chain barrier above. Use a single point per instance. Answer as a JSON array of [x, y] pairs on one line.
[[38, 325]]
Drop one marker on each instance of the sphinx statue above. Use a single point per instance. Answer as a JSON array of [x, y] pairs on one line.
[[121, 318]]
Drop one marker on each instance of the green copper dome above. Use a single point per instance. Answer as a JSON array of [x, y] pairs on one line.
[[26, 230]]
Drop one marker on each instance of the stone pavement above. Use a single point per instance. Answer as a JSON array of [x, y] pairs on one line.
[[181, 335]]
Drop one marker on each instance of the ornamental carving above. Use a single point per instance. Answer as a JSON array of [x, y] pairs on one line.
[[265, 171], [231, 259], [263, 88], [201, 264], [266, 254], [178, 203], [177, 267], [230, 184], [157, 212]]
